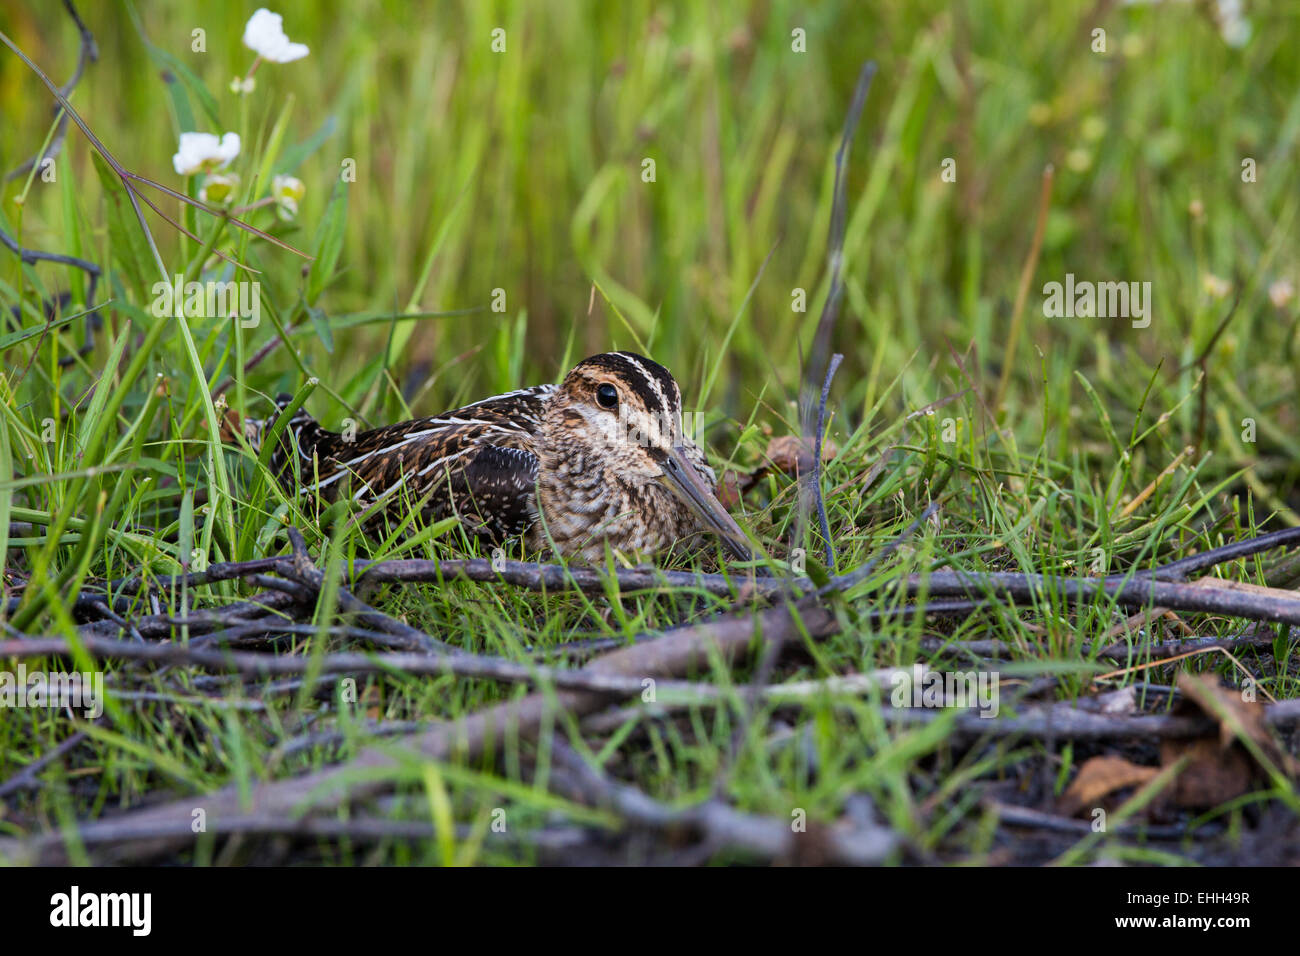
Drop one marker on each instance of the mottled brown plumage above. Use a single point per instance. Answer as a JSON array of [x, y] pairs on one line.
[[600, 458]]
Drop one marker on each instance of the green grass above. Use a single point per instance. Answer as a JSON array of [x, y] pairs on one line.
[[521, 171]]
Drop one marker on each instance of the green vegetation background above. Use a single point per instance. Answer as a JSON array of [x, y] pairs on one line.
[[522, 171]]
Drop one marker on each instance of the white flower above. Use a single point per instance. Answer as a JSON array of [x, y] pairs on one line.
[[203, 152], [286, 191], [1227, 14], [219, 188], [264, 35], [1233, 27], [1281, 292], [1215, 287]]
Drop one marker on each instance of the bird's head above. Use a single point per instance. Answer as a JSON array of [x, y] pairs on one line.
[[625, 410]]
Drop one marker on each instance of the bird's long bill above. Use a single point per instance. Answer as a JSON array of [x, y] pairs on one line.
[[682, 478]]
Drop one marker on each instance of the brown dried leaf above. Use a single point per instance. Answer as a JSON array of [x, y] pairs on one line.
[[1100, 777], [372, 703], [1220, 769], [793, 454], [1213, 774], [729, 489], [231, 426], [1238, 718], [734, 485]]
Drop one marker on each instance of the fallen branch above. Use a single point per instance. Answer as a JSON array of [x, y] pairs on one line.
[[1178, 570], [720, 826], [560, 577], [26, 779], [1038, 820], [675, 653], [366, 829], [307, 574], [413, 664], [1046, 721], [1257, 604], [526, 574], [998, 647]]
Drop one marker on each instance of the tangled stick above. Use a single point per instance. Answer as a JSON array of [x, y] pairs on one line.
[[676, 653]]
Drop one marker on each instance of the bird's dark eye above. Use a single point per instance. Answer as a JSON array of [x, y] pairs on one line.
[[607, 396]]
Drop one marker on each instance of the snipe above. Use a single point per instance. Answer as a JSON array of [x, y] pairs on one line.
[[600, 458]]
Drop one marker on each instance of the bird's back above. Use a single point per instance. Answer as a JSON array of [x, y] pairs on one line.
[[479, 462]]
